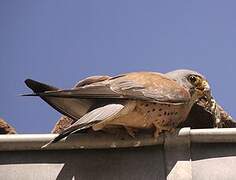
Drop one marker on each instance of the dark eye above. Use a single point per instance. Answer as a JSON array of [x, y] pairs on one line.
[[192, 79]]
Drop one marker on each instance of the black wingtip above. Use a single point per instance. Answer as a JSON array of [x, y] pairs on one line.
[[47, 144], [55, 140], [28, 82], [39, 87]]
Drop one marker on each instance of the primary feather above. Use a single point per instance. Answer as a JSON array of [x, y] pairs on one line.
[[94, 116]]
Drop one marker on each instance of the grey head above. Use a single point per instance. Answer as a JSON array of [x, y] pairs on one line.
[[195, 83], [188, 78]]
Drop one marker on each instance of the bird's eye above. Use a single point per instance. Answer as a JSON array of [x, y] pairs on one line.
[[192, 79]]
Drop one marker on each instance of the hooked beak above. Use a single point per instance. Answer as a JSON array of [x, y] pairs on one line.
[[206, 85]]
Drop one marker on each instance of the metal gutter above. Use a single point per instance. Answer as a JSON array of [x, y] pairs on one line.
[[76, 141], [189, 154], [217, 135], [103, 141]]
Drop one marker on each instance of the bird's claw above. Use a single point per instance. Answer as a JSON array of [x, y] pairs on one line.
[[131, 131]]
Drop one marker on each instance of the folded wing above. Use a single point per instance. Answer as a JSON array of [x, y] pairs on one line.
[[148, 86]]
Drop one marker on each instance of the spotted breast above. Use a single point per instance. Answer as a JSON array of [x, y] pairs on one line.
[[162, 116]]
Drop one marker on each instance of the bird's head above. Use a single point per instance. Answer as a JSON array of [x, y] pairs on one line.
[[194, 82]]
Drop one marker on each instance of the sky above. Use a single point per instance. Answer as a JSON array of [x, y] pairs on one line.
[[60, 42]]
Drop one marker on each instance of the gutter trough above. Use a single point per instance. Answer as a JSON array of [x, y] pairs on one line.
[[185, 155]]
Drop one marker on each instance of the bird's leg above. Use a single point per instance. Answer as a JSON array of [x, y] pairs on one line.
[[130, 131], [157, 133], [171, 130], [158, 130], [113, 130], [168, 129]]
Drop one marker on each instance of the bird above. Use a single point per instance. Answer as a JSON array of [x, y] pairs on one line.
[[6, 128], [135, 100]]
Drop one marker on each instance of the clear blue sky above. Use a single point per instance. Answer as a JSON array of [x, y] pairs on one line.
[[60, 42]]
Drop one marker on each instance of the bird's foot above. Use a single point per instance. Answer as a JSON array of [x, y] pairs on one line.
[[160, 129], [171, 130], [157, 132], [131, 131]]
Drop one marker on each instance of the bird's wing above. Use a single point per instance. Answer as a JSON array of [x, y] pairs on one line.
[[148, 86], [91, 80], [89, 119]]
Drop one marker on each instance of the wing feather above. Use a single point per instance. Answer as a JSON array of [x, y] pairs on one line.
[[88, 120], [148, 86]]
